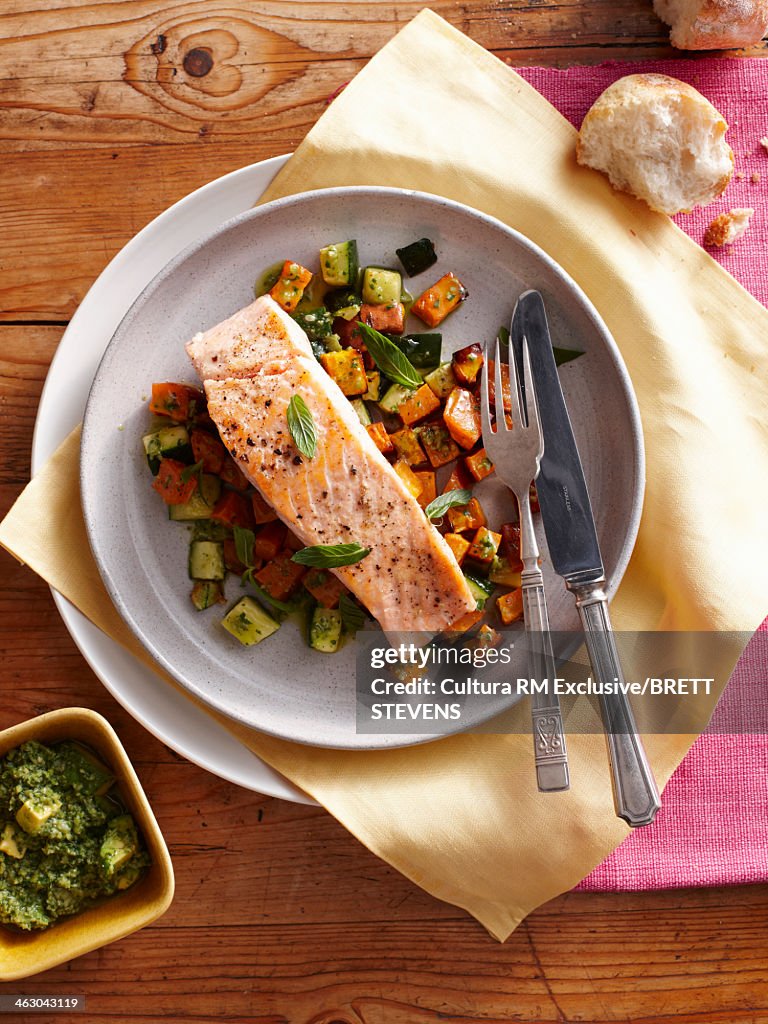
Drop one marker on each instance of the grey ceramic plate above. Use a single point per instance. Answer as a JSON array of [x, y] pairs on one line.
[[281, 686]]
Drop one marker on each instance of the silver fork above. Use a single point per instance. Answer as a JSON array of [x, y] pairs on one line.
[[516, 454]]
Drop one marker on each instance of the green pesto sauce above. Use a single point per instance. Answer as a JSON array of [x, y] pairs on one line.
[[65, 839]]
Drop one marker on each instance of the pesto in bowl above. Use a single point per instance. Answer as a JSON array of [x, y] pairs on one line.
[[66, 840]]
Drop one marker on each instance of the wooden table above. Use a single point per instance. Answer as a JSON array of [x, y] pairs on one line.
[[108, 114]]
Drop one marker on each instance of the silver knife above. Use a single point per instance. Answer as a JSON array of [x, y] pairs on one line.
[[575, 552]]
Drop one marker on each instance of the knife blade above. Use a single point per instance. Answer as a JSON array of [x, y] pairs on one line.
[[574, 549]]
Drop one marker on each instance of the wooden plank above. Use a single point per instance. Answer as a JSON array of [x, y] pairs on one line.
[[386, 972], [149, 71]]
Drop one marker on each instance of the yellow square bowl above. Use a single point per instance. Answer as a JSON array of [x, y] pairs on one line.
[[26, 953]]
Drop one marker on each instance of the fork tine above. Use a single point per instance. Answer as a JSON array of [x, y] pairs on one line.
[[514, 389], [501, 423], [485, 409], [534, 420]]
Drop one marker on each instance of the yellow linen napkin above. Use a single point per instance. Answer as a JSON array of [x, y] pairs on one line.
[[461, 817]]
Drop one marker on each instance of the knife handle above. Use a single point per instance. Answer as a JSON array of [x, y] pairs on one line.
[[635, 794], [549, 750]]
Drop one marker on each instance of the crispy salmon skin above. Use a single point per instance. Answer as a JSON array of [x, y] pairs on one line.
[[347, 492]]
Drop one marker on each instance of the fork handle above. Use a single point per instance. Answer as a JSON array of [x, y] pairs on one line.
[[635, 794], [549, 749]]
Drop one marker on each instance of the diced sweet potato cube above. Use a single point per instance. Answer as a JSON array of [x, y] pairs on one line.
[[324, 587], [506, 394], [510, 539], [438, 443], [534, 499], [408, 446], [420, 404], [269, 540], [462, 417], [292, 542], [289, 287], [262, 510], [380, 437], [459, 545], [467, 621], [347, 369], [467, 517], [510, 606], [503, 573], [388, 318], [233, 509], [459, 480], [484, 546], [479, 465], [428, 483], [281, 577], [466, 363], [408, 477], [434, 305], [232, 474]]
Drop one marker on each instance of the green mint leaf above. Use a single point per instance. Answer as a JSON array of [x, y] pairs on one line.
[[329, 556], [244, 540], [565, 355], [562, 355], [302, 426], [389, 359], [440, 505], [352, 615]]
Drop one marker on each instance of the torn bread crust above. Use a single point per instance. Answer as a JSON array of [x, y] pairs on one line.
[[725, 229], [714, 24]]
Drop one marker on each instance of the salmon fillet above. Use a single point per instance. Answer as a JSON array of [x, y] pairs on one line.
[[348, 492]]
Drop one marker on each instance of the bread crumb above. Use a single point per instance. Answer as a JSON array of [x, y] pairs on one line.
[[725, 229], [755, 178], [739, 176], [764, 143]]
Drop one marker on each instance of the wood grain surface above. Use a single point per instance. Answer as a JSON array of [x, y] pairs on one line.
[[109, 112]]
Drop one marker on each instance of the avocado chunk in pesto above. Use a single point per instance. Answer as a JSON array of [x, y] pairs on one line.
[[65, 837]]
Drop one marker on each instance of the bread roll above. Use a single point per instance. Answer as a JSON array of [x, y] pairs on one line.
[[658, 139], [713, 24]]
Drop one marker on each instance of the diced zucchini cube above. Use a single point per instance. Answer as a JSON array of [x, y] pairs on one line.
[[316, 324], [362, 413], [442, 380], [168, 442], [418, 256], [206, 593], [200, 505], [394, 397], [206, 560], [481, 589], [381, 285], [339, 265], [325, 630], [248, 622]]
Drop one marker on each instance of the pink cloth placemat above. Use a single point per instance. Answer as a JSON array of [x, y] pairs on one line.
[[713, 825]]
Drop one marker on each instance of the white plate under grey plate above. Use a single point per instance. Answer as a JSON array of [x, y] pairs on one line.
[[163, 710], [281, 686]]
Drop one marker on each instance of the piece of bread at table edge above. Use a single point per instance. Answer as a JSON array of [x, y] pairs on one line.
[[713, 24], [658, 139]]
